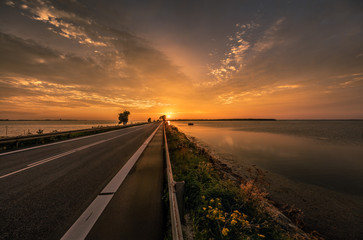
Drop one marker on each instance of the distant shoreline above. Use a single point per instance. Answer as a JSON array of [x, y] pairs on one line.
[[211, 120], [227, 119], [263, 119]]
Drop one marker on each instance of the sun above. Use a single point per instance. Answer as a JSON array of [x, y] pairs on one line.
[[167, 116]]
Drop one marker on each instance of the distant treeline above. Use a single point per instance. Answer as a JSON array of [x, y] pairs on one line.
[[228, 119]]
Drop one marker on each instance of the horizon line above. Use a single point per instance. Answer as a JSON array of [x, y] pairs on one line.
[[202, 119]]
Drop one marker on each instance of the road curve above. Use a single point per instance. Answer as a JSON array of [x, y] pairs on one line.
[[43, 191]]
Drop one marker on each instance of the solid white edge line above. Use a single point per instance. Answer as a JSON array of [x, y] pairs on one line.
[[84, 224], [115, 183], [69, 140]]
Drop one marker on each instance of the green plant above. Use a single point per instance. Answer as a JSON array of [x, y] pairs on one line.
[[219, 207]]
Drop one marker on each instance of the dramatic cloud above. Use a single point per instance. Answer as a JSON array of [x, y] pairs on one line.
[[89, 59]]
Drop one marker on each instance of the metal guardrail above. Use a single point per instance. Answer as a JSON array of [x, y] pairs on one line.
[[176, 226], [18, 140]]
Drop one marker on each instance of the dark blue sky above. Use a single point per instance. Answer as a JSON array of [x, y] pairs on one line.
[[281, 59]]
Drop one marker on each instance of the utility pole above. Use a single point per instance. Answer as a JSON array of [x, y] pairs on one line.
[[6, 131]]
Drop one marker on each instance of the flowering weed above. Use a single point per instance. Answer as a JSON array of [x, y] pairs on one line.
[[219, 208]]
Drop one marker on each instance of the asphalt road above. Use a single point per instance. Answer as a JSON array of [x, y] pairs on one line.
[[136, 210], [44, 190]]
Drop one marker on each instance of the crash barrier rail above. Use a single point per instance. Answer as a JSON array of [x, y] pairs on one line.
[[16, 141], [175, 196]]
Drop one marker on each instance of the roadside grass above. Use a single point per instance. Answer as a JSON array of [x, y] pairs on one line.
[[220, 208]]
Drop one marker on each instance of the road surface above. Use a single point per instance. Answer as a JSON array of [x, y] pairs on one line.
[[135, 211], [43, 191]]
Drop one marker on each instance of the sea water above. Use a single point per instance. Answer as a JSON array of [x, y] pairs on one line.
[[328, 154], [18, 128]]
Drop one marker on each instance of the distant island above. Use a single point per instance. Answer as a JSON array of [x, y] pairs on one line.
[[265, 119], [228, 119]]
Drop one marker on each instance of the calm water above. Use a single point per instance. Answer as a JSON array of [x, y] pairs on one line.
[[16, 128], [324, 153]]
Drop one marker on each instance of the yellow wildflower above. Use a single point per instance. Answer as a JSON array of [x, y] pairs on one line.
[[209, 207], [212, 200], [260, 235], [233, 222], [225, 231], [245, 223], [204, 208]]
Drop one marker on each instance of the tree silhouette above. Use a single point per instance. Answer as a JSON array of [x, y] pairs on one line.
[[123, 117]]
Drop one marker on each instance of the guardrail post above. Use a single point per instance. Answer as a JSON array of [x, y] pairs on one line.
[[179, 190]]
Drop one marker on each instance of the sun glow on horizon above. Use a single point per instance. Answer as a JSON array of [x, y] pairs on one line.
[[84, 71]]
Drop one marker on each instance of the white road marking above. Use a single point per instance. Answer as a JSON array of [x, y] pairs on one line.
[[70, 140], [62, 155], [84, 224], [115, 183], [9, 174], [50, 158]]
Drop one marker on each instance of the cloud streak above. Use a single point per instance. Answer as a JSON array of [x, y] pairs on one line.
[[61, 22], [245, 96], [234, 58], [124, 73], [258, 56]]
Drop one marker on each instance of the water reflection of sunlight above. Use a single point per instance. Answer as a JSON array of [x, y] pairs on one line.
[[228, 140], [295, 157]]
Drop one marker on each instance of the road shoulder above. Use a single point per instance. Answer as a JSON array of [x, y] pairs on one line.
[[136, 210]]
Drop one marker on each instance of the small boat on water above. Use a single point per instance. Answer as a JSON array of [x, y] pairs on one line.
[[190, 124]]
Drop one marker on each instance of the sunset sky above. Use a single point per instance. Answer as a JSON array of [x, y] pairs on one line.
[[82, 59]]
